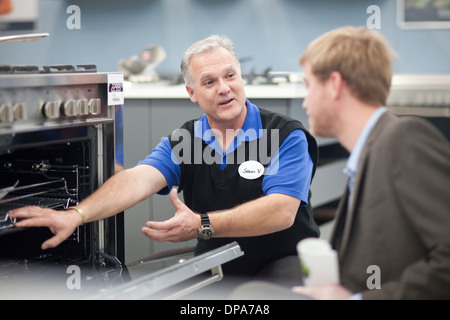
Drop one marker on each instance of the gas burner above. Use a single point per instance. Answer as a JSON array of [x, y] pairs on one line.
[[70, 68], [60, 68]]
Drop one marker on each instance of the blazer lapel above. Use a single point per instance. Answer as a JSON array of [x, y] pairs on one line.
[[341, 212], [359, 180]]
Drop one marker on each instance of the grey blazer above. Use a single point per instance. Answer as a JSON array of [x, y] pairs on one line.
[[399, 218]]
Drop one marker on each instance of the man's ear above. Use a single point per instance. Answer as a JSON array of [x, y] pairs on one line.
[[335, 84], [191, 94]]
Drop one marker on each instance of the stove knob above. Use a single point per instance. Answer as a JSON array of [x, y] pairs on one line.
[[20, 111], [83, 107], [6, 113], [50, 109], [70, 108], [95, 106]]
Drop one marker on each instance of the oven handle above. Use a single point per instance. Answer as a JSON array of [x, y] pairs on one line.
[[216, 275]]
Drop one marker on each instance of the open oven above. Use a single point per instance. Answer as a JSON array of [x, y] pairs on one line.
[[58, 140]]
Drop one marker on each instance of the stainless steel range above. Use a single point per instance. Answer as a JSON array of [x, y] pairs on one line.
[[60, 139]]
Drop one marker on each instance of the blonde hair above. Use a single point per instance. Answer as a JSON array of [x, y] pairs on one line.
[[361, 56]]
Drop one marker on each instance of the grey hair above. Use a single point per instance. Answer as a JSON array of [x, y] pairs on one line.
[[206, 45]]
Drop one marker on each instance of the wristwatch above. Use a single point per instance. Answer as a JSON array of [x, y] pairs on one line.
[[206, 231]]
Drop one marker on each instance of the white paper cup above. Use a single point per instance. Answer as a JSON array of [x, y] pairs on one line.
[[318, 261]]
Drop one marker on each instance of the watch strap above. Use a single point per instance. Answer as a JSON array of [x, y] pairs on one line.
[[205, 219]]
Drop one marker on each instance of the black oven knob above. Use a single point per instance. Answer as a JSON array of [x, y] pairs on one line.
[[70, 108], [83, 107], [20, 111], [95, 106], [6, 113], [50, 109]]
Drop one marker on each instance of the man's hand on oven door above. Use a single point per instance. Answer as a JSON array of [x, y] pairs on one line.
[[61, 223], [182, 226]]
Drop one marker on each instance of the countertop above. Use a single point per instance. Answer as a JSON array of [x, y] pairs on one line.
[[162, 91], [423, 94]]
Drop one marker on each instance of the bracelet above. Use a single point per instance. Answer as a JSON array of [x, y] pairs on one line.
[[82, 215]]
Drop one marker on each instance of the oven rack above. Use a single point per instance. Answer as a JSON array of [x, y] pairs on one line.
[[53, 187], [49, 194], [33, 174]]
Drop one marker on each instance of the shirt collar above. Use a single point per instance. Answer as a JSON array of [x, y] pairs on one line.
[[352, 162], [251, 129]]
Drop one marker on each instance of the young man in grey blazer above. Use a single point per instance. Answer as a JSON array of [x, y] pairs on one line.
[[395, 214], [393, 221]]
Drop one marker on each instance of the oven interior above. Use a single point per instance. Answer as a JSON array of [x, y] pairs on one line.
[[53, 176]]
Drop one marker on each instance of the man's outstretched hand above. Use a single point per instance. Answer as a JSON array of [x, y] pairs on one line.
[[182, 226]]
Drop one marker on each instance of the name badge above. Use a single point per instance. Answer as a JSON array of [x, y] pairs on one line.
[[251, 170]]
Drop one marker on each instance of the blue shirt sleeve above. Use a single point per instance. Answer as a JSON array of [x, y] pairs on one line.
[[290, 170], [161, 158]]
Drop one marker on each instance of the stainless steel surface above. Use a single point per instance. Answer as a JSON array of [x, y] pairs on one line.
[[57, 138], [50, 79], [427, 112], [23, 37], [216, 275], [40, 100], [146, 287], [420, 94], [5, 191], [34, 190]]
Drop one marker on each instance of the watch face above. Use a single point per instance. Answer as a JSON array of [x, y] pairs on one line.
[[205, 233]]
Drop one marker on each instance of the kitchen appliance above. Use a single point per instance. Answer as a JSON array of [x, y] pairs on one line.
[[58, 140], [424, 95]]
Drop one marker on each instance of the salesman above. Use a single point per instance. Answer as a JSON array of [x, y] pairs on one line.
[[245, 174]]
